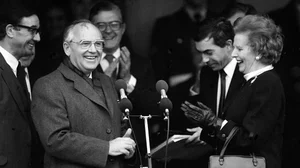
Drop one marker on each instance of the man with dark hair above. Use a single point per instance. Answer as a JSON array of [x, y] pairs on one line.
[[214, 43], [219, 78], [19, 32]]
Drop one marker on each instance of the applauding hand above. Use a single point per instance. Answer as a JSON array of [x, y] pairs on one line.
[[200, 114]]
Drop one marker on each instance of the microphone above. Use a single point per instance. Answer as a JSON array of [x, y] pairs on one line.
[[121, 87], [162, 88], [124, 104], [165, 104]]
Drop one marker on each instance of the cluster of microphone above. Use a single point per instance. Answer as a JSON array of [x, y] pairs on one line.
[[126, 106]]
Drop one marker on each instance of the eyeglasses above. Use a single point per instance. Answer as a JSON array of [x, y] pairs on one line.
[[32, 30], [114, 25], [85, 44]]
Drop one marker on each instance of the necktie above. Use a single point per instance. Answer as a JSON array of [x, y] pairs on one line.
[[110, 58], [21, 74], [222, 94]]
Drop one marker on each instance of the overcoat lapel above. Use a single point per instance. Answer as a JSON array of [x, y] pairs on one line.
[[82, 86], [107, 92], [14, 87]]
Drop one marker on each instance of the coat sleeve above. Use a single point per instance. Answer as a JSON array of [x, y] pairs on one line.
[[50, 117]]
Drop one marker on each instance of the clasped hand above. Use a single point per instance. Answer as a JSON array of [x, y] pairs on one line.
[[125, 64], [122, 145], [200, 114]]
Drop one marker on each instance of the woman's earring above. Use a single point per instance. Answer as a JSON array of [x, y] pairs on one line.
[[257, 57]]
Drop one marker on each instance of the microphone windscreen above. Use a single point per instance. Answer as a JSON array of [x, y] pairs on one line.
[[165, 103], [120, 84], [161, 84], [125, 104]]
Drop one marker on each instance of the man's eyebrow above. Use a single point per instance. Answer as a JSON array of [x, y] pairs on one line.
[[34, 26], [208, 50]]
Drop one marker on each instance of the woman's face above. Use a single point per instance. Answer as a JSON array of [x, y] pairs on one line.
[[243, 53]]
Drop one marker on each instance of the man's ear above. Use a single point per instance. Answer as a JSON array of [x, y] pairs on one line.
[[9, 30], [67, 48], [229, 43]]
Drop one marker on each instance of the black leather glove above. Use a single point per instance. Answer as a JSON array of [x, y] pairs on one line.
[[201, 114]]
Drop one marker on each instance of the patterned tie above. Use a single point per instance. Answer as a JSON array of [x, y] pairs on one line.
[[110, 58], [21, 74], [222, 95]]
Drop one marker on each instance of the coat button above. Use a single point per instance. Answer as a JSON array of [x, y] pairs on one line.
[[108, 130]]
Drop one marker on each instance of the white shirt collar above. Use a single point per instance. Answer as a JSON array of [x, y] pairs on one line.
[[10, 60], [230, 68], [257, 72]]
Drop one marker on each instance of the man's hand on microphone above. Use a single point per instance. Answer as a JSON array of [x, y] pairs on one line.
[[122, 145], [201, 114]]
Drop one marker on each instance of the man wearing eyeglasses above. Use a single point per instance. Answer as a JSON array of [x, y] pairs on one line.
[[19, 32], [115, 58], [116, 61], [75, 108]]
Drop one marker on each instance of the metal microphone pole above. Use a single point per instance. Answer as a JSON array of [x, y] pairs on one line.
[[145, 118], [146, 126]]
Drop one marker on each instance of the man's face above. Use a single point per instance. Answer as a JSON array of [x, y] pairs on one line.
[[214, 56], [26, 36], [85, 59], [112, 37]]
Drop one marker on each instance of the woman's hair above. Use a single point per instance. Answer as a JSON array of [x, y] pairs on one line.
[[264, 37]]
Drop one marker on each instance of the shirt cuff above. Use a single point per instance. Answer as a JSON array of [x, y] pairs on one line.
[[131, 84], [224, 123], [192, 92]]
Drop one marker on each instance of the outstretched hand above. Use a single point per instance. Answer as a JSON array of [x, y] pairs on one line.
[[200, 114], [195, 138]]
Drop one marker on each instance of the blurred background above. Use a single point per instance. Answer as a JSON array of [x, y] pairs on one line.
[[140, 15]]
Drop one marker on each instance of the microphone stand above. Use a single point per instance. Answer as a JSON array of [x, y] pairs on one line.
[[146, 126], [145, 118]]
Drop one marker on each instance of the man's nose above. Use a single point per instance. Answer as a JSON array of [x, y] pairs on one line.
[[108, 29], [37, 37], [205, 58], [92, 48]]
